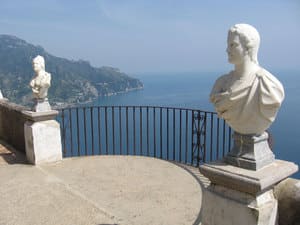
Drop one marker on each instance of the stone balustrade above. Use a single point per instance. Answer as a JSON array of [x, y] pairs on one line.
[[12, 122]]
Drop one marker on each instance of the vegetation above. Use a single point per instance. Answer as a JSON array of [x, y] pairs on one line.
[[72, 81]]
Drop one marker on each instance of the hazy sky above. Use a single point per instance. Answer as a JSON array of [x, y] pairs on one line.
[[155, 35]]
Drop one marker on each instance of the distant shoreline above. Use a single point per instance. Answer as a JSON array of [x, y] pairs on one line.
[[62, 105]]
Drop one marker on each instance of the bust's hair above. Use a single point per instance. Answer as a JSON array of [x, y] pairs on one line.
[[249, 38], [40, 60]]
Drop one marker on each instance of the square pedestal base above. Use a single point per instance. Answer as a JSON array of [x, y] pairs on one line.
[[250, 151], [43, 141], [241, 196], [225, 206], [41, 105], [248, 181]]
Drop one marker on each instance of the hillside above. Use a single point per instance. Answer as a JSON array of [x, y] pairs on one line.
[[72, 81]]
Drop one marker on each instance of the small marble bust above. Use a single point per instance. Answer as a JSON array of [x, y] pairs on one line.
[[248, 97], [42, 80]]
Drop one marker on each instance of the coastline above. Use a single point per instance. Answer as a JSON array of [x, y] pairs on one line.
[[61, 105]]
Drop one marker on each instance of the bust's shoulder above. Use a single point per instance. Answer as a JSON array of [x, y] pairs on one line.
[[263, 73], [224, 78], [221, 84], [268, 79], [46, 74], [266, 75]]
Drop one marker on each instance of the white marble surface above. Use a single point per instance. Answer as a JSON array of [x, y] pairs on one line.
[[41, 81], [42, 105], [249, 96], [43, 141]]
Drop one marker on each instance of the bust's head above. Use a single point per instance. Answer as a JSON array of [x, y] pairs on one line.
[[248, 37], [38, 63]]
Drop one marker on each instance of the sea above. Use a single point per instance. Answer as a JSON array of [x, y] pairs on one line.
[[191, 90]]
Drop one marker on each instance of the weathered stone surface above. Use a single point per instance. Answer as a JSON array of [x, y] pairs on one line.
[[99, 190], [40, 116], [287, 193], [43, 141], [250, 151], [12, 124], [221, 205], [248, 181], [41, 105]]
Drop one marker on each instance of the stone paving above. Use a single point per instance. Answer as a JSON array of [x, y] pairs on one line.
[[98, 190]]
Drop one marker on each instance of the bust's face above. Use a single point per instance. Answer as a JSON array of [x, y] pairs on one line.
[[37, 67], [235, 50]]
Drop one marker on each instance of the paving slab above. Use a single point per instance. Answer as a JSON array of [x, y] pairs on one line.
[[100, 190], [29, 197]]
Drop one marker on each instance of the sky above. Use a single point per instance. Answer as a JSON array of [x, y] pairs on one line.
[[139, 36]]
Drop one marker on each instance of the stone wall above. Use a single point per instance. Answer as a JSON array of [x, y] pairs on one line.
[[288, 194], [12, 124]]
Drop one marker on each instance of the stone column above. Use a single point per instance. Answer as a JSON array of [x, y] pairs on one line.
[[241, 188], [241, 196], [42, 137]]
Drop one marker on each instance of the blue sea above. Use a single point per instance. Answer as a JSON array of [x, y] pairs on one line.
[[191, 90]]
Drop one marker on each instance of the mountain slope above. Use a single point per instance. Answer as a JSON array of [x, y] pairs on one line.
[[72, 81]]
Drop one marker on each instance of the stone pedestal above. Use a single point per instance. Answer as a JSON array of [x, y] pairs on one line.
[[250, 151], [42, 137], [41, 105], [241, 196], [225, 206]]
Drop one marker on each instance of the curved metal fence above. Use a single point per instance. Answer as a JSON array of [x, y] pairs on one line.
[[177, 134]]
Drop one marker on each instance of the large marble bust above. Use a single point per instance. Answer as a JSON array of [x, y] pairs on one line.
[[248, 97], [42, 80]]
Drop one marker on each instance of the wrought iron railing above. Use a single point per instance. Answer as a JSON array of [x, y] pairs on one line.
[[177, 134]]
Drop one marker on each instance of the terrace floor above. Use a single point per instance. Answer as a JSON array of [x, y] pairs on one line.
[[98, 190]]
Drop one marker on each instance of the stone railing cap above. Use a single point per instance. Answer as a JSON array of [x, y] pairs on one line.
[[40, 116]]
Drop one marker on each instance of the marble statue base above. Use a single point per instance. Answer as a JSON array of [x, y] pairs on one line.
[[250, 151], [248, 181], [41, 105], [40, 116], [42, 137], [225, 206], [240, 196]]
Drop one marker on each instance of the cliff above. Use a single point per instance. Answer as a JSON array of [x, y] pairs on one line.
[[72, 81]]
